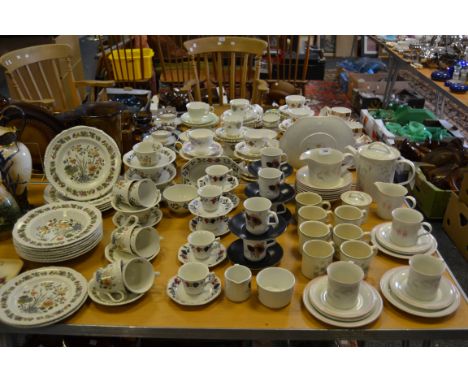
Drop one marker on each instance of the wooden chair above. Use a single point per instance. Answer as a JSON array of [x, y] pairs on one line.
[[43, 75], [233, 63]]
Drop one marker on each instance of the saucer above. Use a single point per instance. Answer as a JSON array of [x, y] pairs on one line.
[[247, 151], [396, 302], [287, 192], [221, 133], [102, 300], [221, 229], [234, 199], [115, 254], [207, 119], [364, 305], [224, 207], [302, 176], [423, 245], [188, 151], [176, 292], [235, 253], [185, 255], [375, 313], [283, 211], [155, 218], [231, 183], [254, 167], [238, 227], [444, 297]]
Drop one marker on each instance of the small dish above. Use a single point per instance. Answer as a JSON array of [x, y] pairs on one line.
[[254, 167], [103, 300], [176, 292], [154, 218], [287, 192], [234, 199], [185, 255], [188, 151]]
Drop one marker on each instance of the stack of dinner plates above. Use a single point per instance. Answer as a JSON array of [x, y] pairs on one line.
[[57, 232], [103, 203]]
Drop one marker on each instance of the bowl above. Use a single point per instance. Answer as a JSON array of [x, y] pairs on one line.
[[178, 196], [275, 287]]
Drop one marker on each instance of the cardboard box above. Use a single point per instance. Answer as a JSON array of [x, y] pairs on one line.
[[357, 79], [456, 223], [464, 190], [375, 128]]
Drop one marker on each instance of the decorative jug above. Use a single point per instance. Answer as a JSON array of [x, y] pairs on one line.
[[377, 162], [390, 196], [9, 212]]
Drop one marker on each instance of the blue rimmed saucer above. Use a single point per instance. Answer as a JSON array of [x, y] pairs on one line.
[[284, 212], [254, 167], [235, 254], [238, 227], [287, 192]]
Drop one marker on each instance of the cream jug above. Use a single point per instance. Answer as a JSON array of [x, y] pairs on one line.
[[390, 196], [377, 162]]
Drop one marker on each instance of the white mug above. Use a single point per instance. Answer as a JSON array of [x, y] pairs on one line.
[[317, 255], [345, 231], [313, 230], [273, 157], [237, 283], [344, 280], [195, 277], [257, 250], [406, 225], [197, 110], [209, 197], [218, 174], [358, 252], [269, 182], [258, 215], [202, 244], [239, 106], [350, 215], [313, 213], [424, 276], [310, 199]]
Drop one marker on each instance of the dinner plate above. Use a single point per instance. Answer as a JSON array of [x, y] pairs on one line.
[[82, 163], [51, 195]]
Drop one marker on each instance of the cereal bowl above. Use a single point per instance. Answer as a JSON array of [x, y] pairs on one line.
[[275, 287], [178, 196]]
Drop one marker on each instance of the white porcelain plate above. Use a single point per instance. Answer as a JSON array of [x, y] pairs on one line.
[[103, 300], [302, 177]]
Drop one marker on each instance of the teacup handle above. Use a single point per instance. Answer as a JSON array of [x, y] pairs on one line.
[[366, 236], [211, 276], [326, 205], [410, 201], [273, 215], [211, 109], [270, 244], [329, 215], [427, 226], [130, 220], [180, 143], [284, 158], [216, 243], [109, 295]]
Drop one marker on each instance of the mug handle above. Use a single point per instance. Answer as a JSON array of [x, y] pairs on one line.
[[273, 215], [130, 220], [410, 201], [427, 226], [270, 244], [121, 295], [366, 236], [329, 215], [326, 205], [411, 166]]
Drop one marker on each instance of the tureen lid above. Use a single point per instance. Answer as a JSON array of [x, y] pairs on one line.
[[379, 151], [356, 198]]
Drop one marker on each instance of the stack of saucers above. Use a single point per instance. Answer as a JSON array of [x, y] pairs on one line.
[[199, 115], [103, 203], [305, 184], [58, 232]]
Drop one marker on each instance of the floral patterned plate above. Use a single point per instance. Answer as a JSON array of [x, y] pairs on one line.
[[195, 168], [51, 195], [82, 163], [102, 300], [176, 292], [185, 255], [42, 296], [115, 254]]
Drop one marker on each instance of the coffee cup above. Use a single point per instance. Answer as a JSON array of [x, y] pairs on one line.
[[295, 101], [258, 215], [138, 275], [313, 230], [340, 111], [121, 190], [109, 282], [148, 152], [255, 140], [257, 250], [195, 277], [425, 273], [237, 285], [350, 215], [346, 231], [202, 244], [273, 157], [313, 213], [197, 110], [310, 199], [143, 193], [144, 241], [232, 125], [316, 256], [406, 226], [269, 182], [359, 252], [209, 197], [218, 174], [344, 280]]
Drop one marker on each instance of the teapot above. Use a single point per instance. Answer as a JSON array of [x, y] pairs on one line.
[[377, 162]]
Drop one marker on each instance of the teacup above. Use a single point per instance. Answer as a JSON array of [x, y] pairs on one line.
[[121, 237], [121, 190], [273, 157], [316, 256], [197, 110], [313, 230], [218, 174], [313, 213], [358, 252], [295, 101], [310, 199], [340, 111], [202, 243], [143, 193], [232, 125], [161, 136], [239, 106], [148, 152], [138, 275], [237, 283], [269, 182], [255, 140], [390, 196], [194, 276], [271, 118], [350, 215], [258, 215], [346, 231], [406, 225], [344, 280], [144, 241], [257, 250], [109, 282], [325, 166], [209, 197], [275, 287], [200, 139], [424, 276], [168, 119]]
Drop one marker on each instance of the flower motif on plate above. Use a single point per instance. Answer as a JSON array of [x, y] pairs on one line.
[[83, 163], [43, 297], [58, 230]]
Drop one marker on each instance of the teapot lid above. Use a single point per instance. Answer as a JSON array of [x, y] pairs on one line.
[[379, 151]]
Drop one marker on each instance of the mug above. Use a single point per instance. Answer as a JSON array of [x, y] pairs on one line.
[[317, 255], [350, 215], [209, 197], [344, 280], [148, 152], [295, 101], [109, 282], [346, 231], [218, 174], [237, 283], [269, 182], [310, 199], [313, 213], [358, 252], [143, 193], [424, 276], [258, 215], [121, 190], [197, 110], [257, 250], [202, 243], [273, 157], [194, 276], [232, 125], [138, 275], [313, 230], [406, 225]]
